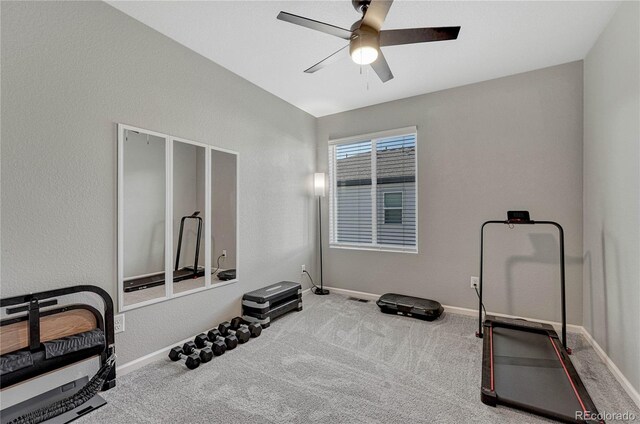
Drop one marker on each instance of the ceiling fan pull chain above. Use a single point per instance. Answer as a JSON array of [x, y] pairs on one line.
[[367, 77]]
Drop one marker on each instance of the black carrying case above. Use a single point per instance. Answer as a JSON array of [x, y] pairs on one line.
[[265, 304], [416, 307]]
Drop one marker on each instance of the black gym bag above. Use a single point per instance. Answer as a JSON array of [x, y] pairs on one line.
[[416, 307]]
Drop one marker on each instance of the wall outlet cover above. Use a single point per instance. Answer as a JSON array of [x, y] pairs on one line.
[[118, 323], [475, 282]]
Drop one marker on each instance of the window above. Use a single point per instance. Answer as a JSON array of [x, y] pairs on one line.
[[393, 207], [372, 191]]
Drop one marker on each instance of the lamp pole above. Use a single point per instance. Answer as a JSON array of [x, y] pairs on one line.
[[318, 181]]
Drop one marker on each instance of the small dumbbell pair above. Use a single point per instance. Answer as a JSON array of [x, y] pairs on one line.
[[192, 354], [242, 331], [191, 360], [214, 340], [255, 329]]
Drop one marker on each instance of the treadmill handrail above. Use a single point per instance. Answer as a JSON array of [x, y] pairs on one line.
[[562, 270], [197, 253]]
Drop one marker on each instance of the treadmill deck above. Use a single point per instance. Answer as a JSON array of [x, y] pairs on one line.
[[526, 367]]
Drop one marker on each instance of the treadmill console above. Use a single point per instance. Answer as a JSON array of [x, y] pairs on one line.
[[518, 216]]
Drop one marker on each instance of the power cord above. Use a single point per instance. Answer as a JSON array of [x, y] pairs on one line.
[[481, 303], [310, 279], [217, 264]]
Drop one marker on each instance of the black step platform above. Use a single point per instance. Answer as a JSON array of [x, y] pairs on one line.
[[265, 304], [415, 307]]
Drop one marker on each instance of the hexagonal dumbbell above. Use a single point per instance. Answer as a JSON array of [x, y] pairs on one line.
[[217, 346], [254, 328], [205, 354], [242, 334], [192, 361], [230, 340]]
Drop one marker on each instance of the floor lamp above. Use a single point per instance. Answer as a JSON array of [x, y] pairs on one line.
[[318, 189]]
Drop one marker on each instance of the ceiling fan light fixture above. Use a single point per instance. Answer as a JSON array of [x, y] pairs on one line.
[[364, 46], [364, 55]]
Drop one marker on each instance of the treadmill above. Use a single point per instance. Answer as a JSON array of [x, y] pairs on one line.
[[179, 274], [524, 363]]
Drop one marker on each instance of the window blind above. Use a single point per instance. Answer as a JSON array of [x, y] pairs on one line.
[[372, 193]]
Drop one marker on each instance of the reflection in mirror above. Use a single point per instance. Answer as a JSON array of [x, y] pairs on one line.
[[223, 216], [177, 217], [188, 216], [144, 188]]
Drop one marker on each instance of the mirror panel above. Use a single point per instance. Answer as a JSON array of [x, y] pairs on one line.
[[177, 217], [143, 216], [224, 167], [189, 203]]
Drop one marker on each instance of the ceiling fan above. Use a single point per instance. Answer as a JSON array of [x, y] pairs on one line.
[[366, 36]]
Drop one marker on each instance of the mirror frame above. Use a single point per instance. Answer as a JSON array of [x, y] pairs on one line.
[[169, 146]]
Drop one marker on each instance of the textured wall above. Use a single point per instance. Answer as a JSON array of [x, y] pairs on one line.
[[483, 149], [612, 191], [70, 72]]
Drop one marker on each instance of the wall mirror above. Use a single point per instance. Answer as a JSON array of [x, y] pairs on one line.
[[177, 217]]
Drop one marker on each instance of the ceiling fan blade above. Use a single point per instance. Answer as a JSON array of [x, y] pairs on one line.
[[376, 13], [396, 37], [382, 68], [340, 54], [316, 25]]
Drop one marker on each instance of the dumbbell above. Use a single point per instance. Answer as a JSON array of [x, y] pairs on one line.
[[254, 328], [192, 361], [242, 334], [217, 346], [206, 354], [230, 340]]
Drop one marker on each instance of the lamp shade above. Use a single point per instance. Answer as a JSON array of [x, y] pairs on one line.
[[318, 184]]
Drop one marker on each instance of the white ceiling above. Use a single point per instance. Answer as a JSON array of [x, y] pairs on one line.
[[496, 39]]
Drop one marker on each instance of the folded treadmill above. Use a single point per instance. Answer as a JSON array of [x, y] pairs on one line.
[[525, 364]]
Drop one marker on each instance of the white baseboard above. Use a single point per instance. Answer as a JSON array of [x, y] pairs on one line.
[[571, 328], [147, 359], [353, 293], [626, 384]]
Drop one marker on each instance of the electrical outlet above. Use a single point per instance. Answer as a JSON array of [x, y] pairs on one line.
[[118, 323], [475, 283], [303, 269], [224, 253]]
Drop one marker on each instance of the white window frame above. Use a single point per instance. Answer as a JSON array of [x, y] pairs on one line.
[[333, 223], [395, 208]]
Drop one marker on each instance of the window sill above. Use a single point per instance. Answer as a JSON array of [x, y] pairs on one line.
[[373, 248]]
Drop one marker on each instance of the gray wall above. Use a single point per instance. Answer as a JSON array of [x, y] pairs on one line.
[[612, 190], [70, 72], [483, 149]]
